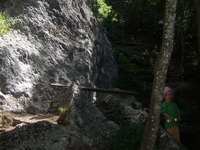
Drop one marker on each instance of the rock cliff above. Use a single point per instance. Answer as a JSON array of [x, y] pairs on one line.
[[51, 41]]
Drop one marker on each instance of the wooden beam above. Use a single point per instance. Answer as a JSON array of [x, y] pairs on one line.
[[102, 90], [59, 84]]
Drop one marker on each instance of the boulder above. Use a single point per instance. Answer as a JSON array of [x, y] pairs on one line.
[[51, 41]]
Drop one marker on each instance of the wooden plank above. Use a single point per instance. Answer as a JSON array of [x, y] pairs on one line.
[[59, 84], [102, 90]]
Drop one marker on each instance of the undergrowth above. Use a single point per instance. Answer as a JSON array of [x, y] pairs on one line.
[[127, 138], [134, 74], [113, 112], [6, 22]]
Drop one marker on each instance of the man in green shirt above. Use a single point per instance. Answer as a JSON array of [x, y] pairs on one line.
[[171, 113]]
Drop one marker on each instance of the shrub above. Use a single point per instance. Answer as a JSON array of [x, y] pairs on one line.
[[127, 138], [103, 10], [5, 22]]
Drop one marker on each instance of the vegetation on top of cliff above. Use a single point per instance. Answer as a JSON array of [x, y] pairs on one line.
[[6, 22]]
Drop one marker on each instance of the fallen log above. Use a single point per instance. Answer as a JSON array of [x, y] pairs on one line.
[[102, 90]]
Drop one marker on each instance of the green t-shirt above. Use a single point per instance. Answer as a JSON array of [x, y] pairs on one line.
[[172, 110]]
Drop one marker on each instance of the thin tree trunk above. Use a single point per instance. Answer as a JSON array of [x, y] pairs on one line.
[[160, 73], [180, 37], [197, 2], [101, 90]]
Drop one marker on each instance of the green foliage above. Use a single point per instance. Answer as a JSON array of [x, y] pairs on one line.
[[5, 23], [133, 70], [127, 138], [103, 10], [138, 15], [129, 135], [113, 112], [62, 110], [63, 113]]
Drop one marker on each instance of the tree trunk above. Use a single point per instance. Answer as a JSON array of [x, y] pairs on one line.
[[197, 2], [160, 73]]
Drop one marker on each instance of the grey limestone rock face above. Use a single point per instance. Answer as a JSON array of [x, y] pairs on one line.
[[51, 41]]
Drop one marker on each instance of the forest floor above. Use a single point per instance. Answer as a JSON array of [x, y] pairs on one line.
[[10, 121]]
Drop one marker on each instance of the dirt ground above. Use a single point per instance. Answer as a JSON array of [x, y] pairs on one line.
[[10, 121]]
